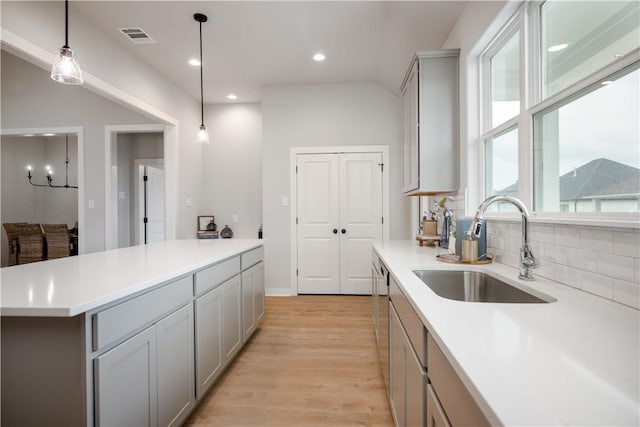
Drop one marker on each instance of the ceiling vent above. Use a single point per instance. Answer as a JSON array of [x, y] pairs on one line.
[[136, 35]]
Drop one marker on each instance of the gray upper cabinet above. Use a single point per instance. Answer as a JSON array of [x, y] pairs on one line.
[[430, 140]]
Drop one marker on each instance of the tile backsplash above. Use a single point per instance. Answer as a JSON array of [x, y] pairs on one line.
[[601, 261]]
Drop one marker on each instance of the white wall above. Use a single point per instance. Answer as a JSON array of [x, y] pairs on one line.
[[232, 168], [38, 22], [321, 115]]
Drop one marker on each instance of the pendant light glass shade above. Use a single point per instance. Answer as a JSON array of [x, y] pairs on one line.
[[66, 69], [203, 135]]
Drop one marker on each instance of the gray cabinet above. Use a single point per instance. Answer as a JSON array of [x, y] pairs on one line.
[[218, 331], [231, 318], [208, 340], [175, 362], [451, 400], [380, 308], [148, 379], [126, 383], [252, 299], [407, 376], [430, 140]]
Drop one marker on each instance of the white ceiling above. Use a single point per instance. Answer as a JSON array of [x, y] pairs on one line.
[[250, 45]]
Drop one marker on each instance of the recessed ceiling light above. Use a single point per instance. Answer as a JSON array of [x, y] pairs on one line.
[[319, 57], [194, 62], [28, 134], [607, 83], [48, 134], [558, 47], [232, 96]]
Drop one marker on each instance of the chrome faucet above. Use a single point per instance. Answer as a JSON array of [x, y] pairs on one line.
[[527, 260]]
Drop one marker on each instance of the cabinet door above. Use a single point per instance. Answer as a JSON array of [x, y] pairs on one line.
[[258, 293], [125, 383], [252, 299], [435, 414], [208, 318], [410, 153], [231, 317], [175, 367], [396, 369], [415, 381]]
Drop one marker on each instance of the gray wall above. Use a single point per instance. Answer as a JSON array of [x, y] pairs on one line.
[[232, 167], [38, 22], [322, 115], [30, 99]]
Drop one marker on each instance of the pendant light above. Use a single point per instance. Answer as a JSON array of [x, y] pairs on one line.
[[66, 68], [203, 135]]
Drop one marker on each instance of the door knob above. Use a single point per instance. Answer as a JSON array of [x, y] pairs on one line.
[[343, 231], [335, 231]]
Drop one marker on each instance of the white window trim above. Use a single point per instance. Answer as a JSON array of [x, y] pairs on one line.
[[526, 20]]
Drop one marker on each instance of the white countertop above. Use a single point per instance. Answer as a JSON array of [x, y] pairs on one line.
[[70, 286], [575, 361]]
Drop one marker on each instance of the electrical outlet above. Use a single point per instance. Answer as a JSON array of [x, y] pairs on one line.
[[92, 203], [235, 218], [188, 202]]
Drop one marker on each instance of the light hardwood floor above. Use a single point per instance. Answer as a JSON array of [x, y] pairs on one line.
[[312, 362]]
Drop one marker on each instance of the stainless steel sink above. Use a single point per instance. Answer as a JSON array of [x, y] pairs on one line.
[[474, 286]]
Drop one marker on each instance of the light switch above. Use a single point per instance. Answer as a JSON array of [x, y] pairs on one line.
[[123, 195], [285, 201], [188, 202], [92, 203], [235, 218]]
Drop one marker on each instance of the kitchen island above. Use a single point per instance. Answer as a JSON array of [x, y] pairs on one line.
[[572, 361], [133, 336]]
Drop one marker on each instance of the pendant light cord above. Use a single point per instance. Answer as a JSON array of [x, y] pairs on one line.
[[66, 24], [201, 81]]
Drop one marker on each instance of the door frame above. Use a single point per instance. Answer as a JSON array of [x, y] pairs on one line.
[[170, 144], [79, 132], [293, 211]]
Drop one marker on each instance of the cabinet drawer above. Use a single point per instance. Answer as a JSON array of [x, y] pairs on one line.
[[410, 321], [456, 401], [120, 320], [213, 276], [251, 257]]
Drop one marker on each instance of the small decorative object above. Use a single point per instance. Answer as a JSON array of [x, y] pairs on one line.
[[260, 232], [226, 232], [207, 228]]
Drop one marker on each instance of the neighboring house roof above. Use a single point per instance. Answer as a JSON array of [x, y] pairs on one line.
[[598, 178]]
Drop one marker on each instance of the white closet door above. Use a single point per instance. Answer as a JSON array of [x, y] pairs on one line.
[[155, 204], [360, 218], [318, 238]]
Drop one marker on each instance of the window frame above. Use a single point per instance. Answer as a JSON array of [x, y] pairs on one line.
[[526, 20]]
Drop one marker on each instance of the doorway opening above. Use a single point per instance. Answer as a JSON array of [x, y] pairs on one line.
[[43, 201], [133, 152]]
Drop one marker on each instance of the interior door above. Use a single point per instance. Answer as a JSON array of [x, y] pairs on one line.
[[339, 215], [360, 218], [154, 204], [318, 216]]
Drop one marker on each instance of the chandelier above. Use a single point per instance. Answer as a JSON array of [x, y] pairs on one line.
[[50, 172]]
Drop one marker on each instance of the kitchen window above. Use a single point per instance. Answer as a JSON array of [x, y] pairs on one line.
[[561, 92]]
